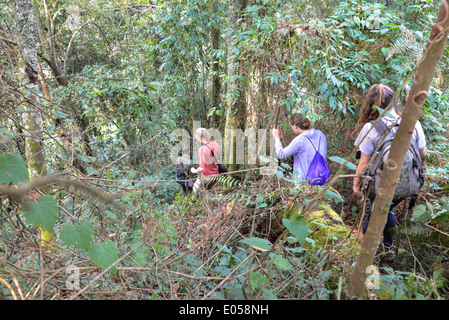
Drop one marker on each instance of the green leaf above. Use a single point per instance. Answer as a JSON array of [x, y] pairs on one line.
[[43, 213], [257, 280], [142, 255], [105, 255], [383, 112], [323, 88], [283, 264], [339, 160], [333, 196], [12, 169], [279, 174], [297, 225], [286, 166], [79, 235], [87, 159], [438, 276], [264, 159], [257, 243], [420, 213], [59, 114], [154, 85]]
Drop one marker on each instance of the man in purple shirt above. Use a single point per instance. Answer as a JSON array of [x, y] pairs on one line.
[[301, 147]]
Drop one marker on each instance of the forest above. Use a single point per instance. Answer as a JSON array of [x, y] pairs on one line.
[[98, 99]]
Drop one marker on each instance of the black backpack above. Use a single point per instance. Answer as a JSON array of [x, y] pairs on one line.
[[182, 176], [412, 176]]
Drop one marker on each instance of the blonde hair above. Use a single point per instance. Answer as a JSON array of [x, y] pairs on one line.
[[201, 134]]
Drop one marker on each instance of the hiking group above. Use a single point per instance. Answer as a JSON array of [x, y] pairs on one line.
[[377, 124]]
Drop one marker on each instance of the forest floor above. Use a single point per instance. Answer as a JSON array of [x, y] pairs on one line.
[[257, 211]]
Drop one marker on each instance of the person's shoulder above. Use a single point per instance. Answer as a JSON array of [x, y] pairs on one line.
[[319, 132], [365, 129], [419, 129], [418, 124], [367, 126], [299, 138], [203, 149]]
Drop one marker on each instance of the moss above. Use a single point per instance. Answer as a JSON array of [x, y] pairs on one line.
[[48, 238], [328, 228], [288, 211], [326, 223]]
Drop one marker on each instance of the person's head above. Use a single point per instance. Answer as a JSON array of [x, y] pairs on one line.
[[378, 95], [186, 150], [299, 123], [202, 135]]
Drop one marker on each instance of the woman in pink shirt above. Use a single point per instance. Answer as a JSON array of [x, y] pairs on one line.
[[208, 165]]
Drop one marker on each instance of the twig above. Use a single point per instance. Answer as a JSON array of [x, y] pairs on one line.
[[102, 273], [228, 276], [13, 293]]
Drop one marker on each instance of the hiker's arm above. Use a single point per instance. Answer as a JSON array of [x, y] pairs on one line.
[[423, 152], [288, 151], [202, 164], [363, 164], [199, 170]]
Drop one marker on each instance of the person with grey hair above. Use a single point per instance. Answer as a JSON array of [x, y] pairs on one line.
[[184, 175]]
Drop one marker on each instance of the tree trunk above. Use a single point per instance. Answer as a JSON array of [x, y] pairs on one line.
[[236, 106], [31, 113], [215, 39], [50, 42], [29, 75], [401, 143]]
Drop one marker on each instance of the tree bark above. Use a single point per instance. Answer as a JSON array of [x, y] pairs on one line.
[[215, 40], [31, 106], [29, 75], [401, 143], [236, 106]]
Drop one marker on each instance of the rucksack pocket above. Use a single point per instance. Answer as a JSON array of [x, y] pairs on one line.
[[318, 172]]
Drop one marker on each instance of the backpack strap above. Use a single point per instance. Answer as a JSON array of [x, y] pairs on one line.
[[213, 155], [382, 128], [319, 143]]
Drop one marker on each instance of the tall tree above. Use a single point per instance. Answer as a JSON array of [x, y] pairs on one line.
[[29, 76], [401, 143], [236, 105], [50, 56], [215, 41]]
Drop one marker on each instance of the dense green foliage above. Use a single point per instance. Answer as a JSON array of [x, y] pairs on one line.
[[123, 76]]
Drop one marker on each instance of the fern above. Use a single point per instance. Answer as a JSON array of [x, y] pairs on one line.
[[406, 43], [227, 180], [414, 229]]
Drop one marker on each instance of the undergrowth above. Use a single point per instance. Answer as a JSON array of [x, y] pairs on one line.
[[242, 239]]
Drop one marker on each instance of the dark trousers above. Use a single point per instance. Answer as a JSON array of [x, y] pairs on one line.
[[186, 189], [391, 220]]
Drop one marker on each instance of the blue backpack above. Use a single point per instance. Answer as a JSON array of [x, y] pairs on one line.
[[318, 172]]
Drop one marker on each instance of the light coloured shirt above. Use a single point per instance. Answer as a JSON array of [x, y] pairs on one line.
[[368, 144], [302, 151]]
